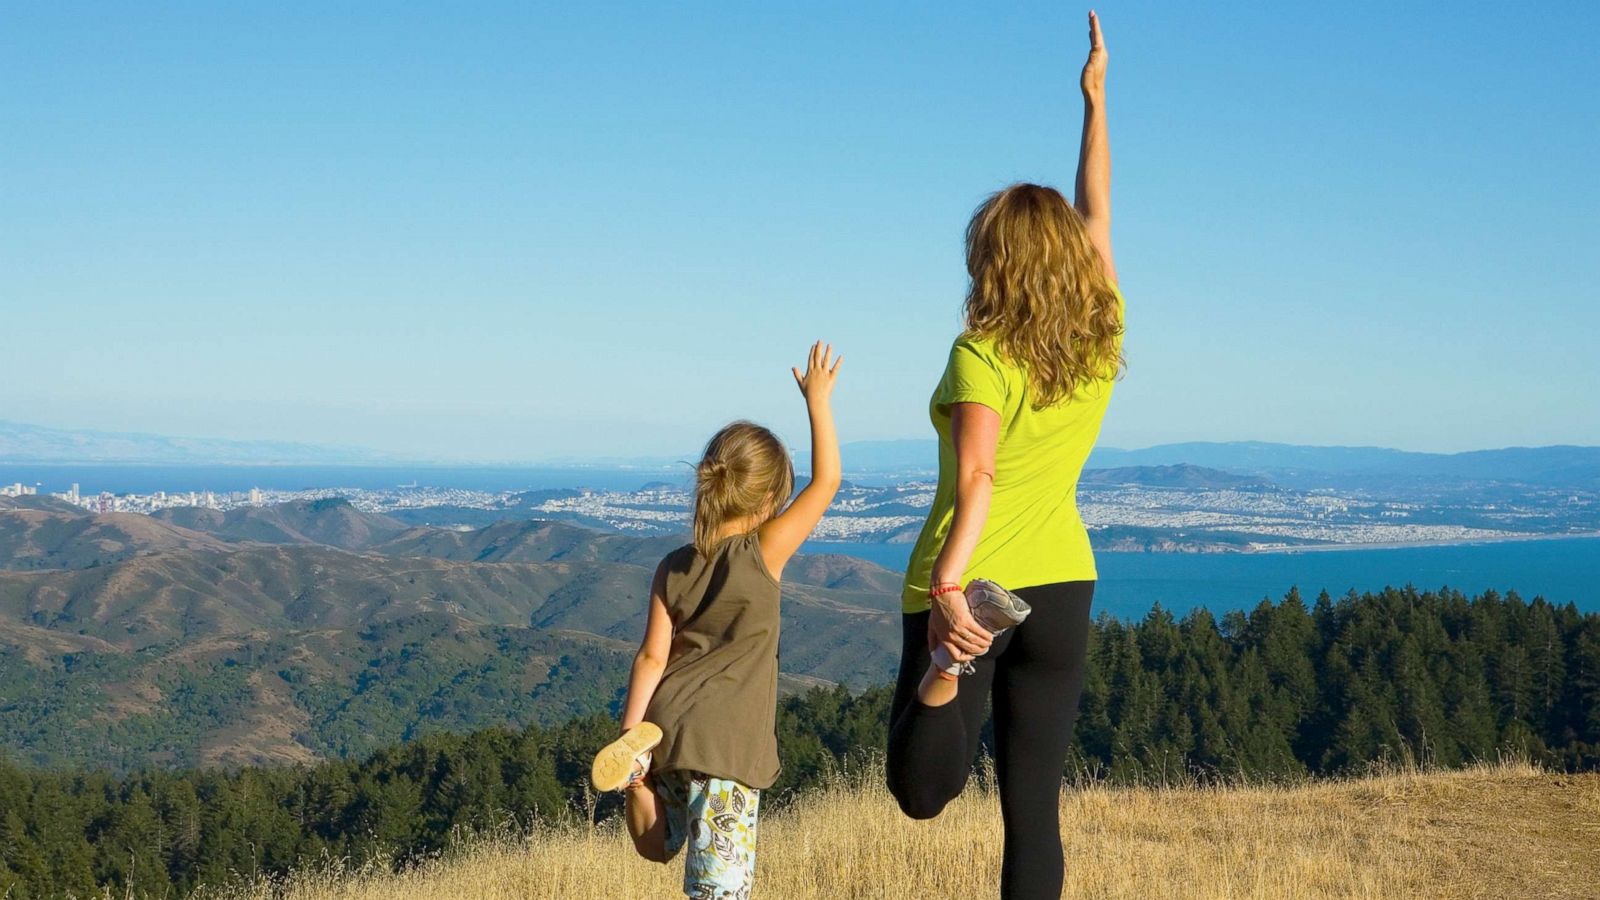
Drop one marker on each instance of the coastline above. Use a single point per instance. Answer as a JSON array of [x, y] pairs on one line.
[[1402, 545]]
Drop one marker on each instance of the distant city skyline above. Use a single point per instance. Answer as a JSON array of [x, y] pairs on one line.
[[518, 235]]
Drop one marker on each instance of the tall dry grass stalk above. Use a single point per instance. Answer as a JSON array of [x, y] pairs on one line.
[[1504, 830]]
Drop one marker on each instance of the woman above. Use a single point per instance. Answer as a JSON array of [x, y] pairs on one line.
[[1017, 412]]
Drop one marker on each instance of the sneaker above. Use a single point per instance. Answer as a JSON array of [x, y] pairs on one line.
[[641, 768], [615, 766], [995, 608]]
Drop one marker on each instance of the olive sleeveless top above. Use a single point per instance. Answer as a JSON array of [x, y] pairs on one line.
[[717, 702]]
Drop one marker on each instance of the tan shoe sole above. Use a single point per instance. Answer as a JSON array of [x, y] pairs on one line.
[[613, 766]]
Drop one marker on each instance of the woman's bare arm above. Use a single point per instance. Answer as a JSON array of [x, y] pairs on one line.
[[975, 431], [1093, 187]]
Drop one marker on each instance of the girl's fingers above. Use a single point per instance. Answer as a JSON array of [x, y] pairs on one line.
[[835, 369], [797, 379]]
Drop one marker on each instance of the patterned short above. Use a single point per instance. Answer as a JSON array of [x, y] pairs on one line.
[[716, 818]]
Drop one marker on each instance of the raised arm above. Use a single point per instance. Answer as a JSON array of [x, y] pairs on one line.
[[782, 536], [1093, 188]]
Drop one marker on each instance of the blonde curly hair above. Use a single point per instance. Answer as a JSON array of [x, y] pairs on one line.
[[1039, 291]]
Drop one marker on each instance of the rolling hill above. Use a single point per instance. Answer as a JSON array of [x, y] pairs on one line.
[[332, 521], [304, 630]]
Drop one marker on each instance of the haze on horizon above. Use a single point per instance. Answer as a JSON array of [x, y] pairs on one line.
[[524, 235]]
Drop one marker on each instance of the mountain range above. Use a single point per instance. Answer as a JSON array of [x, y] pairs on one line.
[[23, 443], [1292, 465], [313, 629]]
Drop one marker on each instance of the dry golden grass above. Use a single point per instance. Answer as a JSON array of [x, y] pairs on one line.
[[1493, 831]]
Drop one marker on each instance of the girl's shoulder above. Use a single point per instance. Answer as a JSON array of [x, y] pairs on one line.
[[679, 560]]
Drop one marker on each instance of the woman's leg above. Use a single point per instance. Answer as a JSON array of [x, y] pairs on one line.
[[931, 748], [1037, 683]]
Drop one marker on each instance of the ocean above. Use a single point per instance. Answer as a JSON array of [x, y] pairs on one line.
[[1561, 570]]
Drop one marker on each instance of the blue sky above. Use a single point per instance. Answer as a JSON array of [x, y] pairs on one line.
[[497, 232]]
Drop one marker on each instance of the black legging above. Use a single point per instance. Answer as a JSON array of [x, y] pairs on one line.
[[1036, 674]]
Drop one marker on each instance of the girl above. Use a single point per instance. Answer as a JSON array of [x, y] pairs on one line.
[[699, 738]]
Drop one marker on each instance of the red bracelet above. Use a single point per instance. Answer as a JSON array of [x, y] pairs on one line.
[[942, 589]]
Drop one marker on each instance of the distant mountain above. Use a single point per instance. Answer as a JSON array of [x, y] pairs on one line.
[[1556, 465], [39, 501], [530, 541], [55, 538], [1292, 464], [20, 443], [312, 629], [332, 521], [1181, 475], [1285, 463]]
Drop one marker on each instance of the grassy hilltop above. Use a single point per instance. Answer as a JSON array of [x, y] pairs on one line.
[[1507, 830]]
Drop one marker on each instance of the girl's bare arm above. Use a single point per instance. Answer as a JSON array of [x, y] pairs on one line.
[[651, 659], [782, 536]]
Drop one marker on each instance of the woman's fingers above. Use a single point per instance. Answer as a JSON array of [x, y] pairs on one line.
[[969, 642], [1096, 41]]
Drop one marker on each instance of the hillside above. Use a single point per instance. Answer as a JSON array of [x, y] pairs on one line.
[[305, 630], [1279, 695], [45, 537], [1490, 831], [529, 541], [332, 521]]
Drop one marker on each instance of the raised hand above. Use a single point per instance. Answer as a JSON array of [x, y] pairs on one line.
[[1093, 79], [821, 371]]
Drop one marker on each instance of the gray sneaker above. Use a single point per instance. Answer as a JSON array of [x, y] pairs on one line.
[[995, 608]]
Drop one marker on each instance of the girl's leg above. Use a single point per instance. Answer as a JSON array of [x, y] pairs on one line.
[[721, 858], [646, 816], [931, 747], [1037, 684]]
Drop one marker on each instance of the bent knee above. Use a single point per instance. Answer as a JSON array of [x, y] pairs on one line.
[[654, 854], [653, 851], [919, 806]]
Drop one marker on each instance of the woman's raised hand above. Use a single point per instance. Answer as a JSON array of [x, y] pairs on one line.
[[822, 369], [1093, 79]]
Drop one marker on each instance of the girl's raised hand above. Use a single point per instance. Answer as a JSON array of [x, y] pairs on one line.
[[821, 371], [1093, 79]]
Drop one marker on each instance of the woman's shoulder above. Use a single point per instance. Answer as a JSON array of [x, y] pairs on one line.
[[971, 352], [970, 346]]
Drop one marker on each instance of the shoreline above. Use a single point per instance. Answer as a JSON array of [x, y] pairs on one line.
[[1403, 545], [1197, 549]]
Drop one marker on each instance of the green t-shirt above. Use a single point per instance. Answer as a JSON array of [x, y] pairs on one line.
[[1033, 535]]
